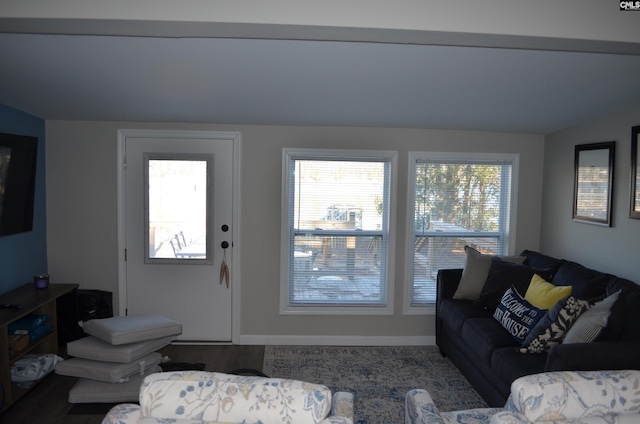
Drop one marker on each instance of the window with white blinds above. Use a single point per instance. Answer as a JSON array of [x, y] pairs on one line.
[[336, 228], [456, 200]]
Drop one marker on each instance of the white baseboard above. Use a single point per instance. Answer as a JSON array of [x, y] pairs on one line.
[[249, 339]]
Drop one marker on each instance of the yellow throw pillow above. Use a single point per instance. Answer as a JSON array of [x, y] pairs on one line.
[[543, 294]]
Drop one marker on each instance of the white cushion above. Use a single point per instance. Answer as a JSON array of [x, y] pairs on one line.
[[92, 391], [93, 348], [132, 328], [110, 372]]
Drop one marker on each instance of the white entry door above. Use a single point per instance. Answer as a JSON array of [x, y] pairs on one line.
[[179, 230]]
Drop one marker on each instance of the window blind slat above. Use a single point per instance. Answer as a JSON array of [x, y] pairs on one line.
[[337, 221], [457, 202]]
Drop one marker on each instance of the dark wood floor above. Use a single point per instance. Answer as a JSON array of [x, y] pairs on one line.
[[47, 403]]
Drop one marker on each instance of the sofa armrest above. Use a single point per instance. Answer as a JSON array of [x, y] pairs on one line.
[[509, 417], [576, 396], [420, 409], [123, 413], [229, 398], [594, 356], [447, 283], [341, 407]]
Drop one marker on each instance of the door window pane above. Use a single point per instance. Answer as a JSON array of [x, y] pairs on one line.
[[176, 208]]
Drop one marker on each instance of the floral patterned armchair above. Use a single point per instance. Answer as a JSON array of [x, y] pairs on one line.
[[577, 397], [192, 397]]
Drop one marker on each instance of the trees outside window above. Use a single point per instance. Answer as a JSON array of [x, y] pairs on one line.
[[456, 200]]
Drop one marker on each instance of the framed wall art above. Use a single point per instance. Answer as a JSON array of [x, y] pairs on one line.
[[634, 203], [593, 183]]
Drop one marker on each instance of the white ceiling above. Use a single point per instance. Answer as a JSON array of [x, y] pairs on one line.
[[295, 82]]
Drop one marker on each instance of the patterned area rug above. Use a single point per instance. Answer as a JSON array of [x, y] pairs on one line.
[[379, 377]]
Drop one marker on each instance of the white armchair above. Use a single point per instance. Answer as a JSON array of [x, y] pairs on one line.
[[204, 397], [584, 397]]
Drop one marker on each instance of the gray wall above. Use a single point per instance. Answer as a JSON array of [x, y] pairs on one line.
[[82, 217], [606, 249]]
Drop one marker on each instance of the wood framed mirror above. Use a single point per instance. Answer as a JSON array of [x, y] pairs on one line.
[[634, 203], [593, 183]]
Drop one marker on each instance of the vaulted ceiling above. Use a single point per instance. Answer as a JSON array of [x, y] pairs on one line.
[[342, 80]]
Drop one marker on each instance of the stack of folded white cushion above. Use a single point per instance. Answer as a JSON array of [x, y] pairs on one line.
[[116, 356]]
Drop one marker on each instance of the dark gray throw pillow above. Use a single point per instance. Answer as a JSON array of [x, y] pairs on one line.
[[504, 274], [475, 272]]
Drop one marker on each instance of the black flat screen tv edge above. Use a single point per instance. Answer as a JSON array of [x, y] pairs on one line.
[[17, 183]]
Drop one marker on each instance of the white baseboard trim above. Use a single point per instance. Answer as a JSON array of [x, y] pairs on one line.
[[252, 339]]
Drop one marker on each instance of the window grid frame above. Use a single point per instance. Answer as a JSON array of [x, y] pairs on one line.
[[507, 227], [288, 231]]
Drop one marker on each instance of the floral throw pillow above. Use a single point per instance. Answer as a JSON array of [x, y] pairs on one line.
[[552, 332]]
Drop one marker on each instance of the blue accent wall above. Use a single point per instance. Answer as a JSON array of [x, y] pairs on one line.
[[25, 254]]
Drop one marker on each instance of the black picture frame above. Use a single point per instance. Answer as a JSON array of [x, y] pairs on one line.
[[634, 199], [593, 186], [18, 167]]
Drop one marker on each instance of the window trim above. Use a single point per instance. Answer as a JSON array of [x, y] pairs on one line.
[[203, 157], [332, 154], [414, 157]]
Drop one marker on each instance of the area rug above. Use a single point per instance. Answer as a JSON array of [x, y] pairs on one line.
[[378, 377]]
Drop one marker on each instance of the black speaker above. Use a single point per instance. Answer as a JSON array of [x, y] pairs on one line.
[[68, 328], [93, 304]]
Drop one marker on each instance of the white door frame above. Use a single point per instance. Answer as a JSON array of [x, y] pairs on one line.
[[235, 261]]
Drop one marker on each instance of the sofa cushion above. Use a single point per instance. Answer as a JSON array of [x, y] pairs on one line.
[[616, 322], [540, 261], [590, 324], [625, 318], [93, 348], [501, 276], [510, 364], [587, 283], [455, 312], [484, 335], [132, 328], [516, 315], [552, 328], [475, 273], [543, 294]]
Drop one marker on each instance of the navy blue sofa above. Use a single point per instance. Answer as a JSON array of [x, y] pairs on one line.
[[488, 356]]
